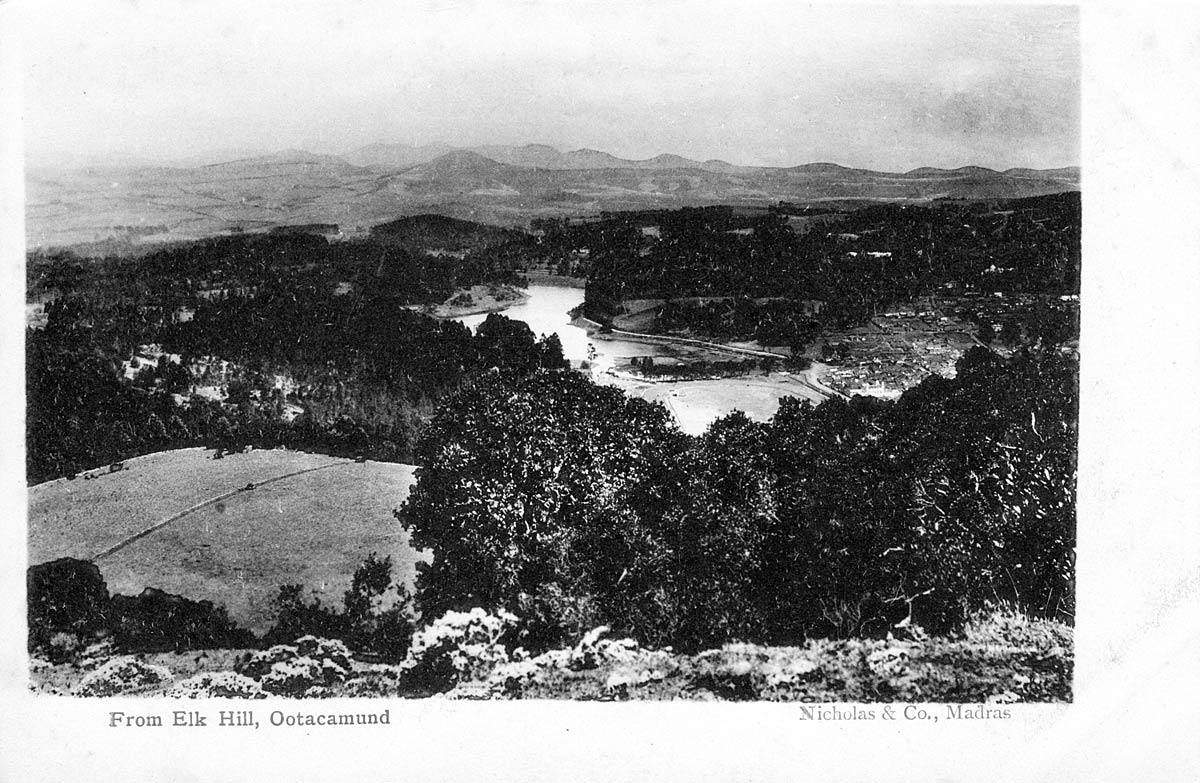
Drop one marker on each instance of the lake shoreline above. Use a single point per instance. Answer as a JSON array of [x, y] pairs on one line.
[[484, 302], [558, 281]]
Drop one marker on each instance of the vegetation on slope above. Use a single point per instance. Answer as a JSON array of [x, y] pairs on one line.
[[572, 506], [1001, 657], [872, 258]]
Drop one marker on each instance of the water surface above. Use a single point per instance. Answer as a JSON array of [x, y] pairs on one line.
[[547, 311]]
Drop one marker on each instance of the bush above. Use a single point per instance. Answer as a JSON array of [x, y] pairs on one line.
[[295, 618], [122, 676], [1007, 626], [620, 664], [459, 647], [551, 617], [378, 611], [68, 601], [222, 685], [156, 621], [307, 668], [375, 619], [69, 606]]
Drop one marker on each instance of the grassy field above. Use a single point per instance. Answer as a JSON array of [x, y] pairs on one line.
[[311, 529]]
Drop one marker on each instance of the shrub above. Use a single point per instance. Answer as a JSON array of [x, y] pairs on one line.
[[746, 671], [122, 676], [378, 611], [320, 650], [157, 621], [551, 617], [376, 616], [68, 600], [459, 647], [1007, 626], [61, 646], [223, 685], [295, 618], [294, 677], [69, 605], [621, 664], [307, 668]]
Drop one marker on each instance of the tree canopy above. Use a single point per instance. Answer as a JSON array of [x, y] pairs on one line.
[[548, 495]]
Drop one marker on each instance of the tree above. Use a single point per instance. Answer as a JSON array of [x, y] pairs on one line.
[[1010, 333], [377, 610], [551, 353], [524, 488], [67, 596]]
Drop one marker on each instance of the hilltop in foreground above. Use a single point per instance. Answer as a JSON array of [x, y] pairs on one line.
[[230, 531], [999, 659]]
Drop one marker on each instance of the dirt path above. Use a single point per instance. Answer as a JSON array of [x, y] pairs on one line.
[[660, 339], [812, 379], [205, 503]]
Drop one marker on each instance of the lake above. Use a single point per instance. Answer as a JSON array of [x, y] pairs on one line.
[[547, 311], [694, 404]]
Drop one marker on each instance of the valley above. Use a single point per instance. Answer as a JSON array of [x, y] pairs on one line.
[[698, 425], [132, 206]]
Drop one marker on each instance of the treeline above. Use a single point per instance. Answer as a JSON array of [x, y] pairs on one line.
[[771, 322], [720, 368], [366, 374], [872, 258], [416, 260], [573, 506], [70, 609], [330, 318]]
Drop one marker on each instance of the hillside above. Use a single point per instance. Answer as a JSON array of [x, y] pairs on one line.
[[312, 528], [437, 232], [497, 184], [458, 163]]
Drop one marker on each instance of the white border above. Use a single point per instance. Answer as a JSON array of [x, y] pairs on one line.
[[1135, 715]]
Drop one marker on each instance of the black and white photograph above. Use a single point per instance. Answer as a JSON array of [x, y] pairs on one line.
[[381, 354]]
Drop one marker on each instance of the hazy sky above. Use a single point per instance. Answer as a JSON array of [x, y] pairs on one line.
[[770, 83]]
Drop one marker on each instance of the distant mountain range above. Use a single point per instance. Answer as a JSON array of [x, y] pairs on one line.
[[506, 185], [542, 156]]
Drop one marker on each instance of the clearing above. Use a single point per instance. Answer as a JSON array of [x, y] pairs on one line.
[[237, 545]]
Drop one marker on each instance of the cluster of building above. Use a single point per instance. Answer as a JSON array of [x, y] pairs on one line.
[[895, 351]]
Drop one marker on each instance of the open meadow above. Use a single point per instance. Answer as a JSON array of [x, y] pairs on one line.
[[309, 520]]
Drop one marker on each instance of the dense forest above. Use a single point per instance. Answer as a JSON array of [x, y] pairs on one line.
[[573, 506], [266, 319], [415, 260], [327, 330], [871, 258]]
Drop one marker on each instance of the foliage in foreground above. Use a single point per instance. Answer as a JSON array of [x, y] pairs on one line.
[[69, 607], [376, 614], [71, 612], [1003, 657], [574, 506]]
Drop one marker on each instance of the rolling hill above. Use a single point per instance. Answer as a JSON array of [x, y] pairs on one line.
[[308, 520], [421, 233], [506, 185]]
